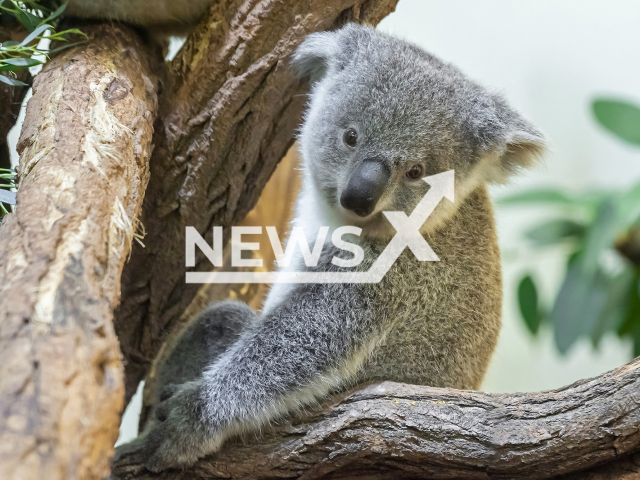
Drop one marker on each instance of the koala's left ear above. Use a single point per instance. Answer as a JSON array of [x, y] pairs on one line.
[[313, 57], [508, 143]]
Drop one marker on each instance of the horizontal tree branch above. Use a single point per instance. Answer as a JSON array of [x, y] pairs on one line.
[[391, 430]]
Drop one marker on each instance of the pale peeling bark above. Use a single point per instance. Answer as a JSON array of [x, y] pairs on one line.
[[231, 113], [84, 167], [586, 430]]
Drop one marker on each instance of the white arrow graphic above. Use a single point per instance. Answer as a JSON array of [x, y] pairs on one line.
[[407, 235]]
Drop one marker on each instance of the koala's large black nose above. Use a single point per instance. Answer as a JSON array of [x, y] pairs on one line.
[[365, 187]]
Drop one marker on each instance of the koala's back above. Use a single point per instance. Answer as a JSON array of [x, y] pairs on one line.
[[445, 315]]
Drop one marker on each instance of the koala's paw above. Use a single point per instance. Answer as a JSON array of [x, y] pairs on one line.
[[180, 436]]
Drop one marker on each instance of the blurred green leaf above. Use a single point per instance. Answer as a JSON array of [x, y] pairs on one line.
[[617, 305], [65, 46], [12, 81], [27, 19], [39, 19], [59, 11], [584, 292], [629, 207], [587, 294], [555, 231], [631, 325], [21, 62], [578, 306], [631, 320], [537, 196], [601, 235], [528, 302], [619, 117], [36, 33]]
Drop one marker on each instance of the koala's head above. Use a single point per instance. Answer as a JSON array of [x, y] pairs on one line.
[[384, 114]]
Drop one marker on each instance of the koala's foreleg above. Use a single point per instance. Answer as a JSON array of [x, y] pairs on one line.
[[297, 354]]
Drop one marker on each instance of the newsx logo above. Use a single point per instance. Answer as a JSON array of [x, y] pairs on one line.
[[407, 235]]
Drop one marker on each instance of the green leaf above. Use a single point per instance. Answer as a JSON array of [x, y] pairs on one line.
[[619, 117], [537, 196], [64, 47], [28, 20], [55, 14], [528, 302], [629, 207], [600, 236], [585, 298], [555, 231], [631, 324], [37, 32], [631, 320], [21, 62], [9, 43], [12, 81], [615, 310], [578, 306]]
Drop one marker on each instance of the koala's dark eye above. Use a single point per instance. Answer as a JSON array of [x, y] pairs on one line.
[[350, 137], [415, 172]]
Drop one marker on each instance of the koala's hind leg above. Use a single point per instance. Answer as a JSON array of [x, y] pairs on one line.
[[205, 338]]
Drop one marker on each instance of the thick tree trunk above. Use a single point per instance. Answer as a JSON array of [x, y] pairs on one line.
[[231, 112], [85, 149], [391, 430]]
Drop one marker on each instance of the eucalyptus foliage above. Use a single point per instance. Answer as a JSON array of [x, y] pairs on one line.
[[600, 291], [36, 20], [30, 21], [7, 180]]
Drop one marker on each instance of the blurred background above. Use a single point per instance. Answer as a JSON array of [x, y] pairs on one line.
[[567, 229]]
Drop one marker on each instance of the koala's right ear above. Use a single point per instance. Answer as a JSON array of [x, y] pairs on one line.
[[313, 57], [509, 142]]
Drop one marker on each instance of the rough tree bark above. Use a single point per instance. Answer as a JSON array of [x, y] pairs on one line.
[[391, 430], [231, 109], [84, 167]]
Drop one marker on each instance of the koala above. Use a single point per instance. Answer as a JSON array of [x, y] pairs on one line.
[[176, 16], [382, 115]]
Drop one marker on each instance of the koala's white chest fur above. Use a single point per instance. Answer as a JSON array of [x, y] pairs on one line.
[[311, 214]]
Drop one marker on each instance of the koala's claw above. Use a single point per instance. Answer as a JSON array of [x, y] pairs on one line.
[[180, 436]]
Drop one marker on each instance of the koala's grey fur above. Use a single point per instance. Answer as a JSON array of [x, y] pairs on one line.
[[433, 323]]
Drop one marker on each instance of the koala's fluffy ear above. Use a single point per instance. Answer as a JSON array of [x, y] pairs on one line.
[[313, 57], [508, 142]]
